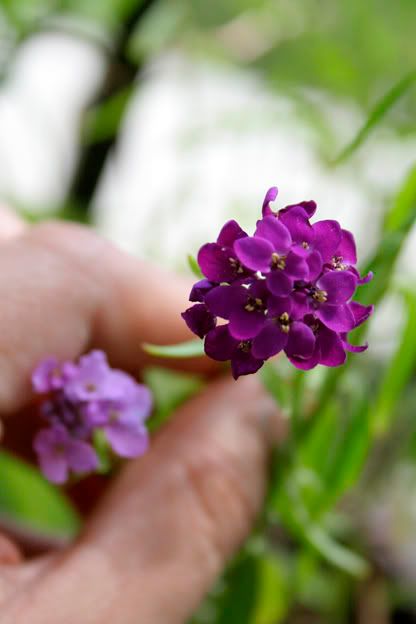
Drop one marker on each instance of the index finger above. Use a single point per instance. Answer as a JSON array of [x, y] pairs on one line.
[[65, 290]]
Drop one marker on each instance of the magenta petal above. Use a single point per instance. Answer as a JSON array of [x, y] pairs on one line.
[[199, 319], [300, 305], [296, 266], [353, 348], [54, 468], [301, 341], [365, 279], [279, 284], [81, 456], [245, 325], [230, 232], [215, 263], [269, 341], [222, 300], [276, 306], [332, 349], [338, 318], [327, 238], [270, 196], [314, 262], [297, 222], [127, 441], [361, 312], [308, 206], [338, 285], [347, 249], [254, 253], [310, 362], [275, 232], [244, 363], [200, 290], [219, 344]]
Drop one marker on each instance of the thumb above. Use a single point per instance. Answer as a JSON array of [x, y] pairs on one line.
[[172, 519]]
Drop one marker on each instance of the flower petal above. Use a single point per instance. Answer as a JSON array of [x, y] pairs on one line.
[[200, 289], [297, 222], [81, 456], [230, 232], [219, 344], [331, 347], [127, 441], [270, 196], [245, 325], [338, 285], [308, 206], [254, 253], [275, 232], [269, 341], [310, 362], [361, 312], [296, 266], [279, 284], [244, 363], [300, 305], [199, 319], [314, 262], [215, 263], [276, 306], [222, 300], [347, 249], [339, 318], [301, 341], [327, 238]]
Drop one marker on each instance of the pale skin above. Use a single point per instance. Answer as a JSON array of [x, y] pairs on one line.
[[165, 528]]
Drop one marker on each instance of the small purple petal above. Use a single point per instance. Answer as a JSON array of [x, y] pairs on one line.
[[339, 286], [296, 221], [301, 341], [254, 253], [81, 456], [327, 238], [230, 232], [277, 306], [339, 318], [269, 341], [222, 300], [308, 206], [332, 350], [244, 363], [360, 312], [310, 362], [219, 344], [300, 305], [199, 319], [216, 263], [347, 249], [366, 278], [279, 283], [127, 441], [350, 347], [245, 325], [270, 196], [296, 266], [275, 232], [314, 262], [200, 290]]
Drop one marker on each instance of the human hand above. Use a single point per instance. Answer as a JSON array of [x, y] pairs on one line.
[[157, 539]]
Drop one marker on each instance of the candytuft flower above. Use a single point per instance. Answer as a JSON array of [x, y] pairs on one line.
[[79, 399], [288, 287]]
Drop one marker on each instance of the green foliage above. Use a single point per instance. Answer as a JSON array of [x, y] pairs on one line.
[[45, 511], [194, 266], [191, 348]]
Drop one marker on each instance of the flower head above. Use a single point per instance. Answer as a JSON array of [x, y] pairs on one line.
[[83, 397], [288, 287]]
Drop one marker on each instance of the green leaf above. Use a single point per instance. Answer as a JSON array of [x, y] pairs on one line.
[[274, 383], [402, 212], [377, 114], [399, 370], [103, 121], [170, 389], [273, 595], [189, 349], [30, 501], [238, 601], [340, 556], [194, 266]]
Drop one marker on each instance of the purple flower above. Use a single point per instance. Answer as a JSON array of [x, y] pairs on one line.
[[289, 287], [221, 346], [59, 453], [218, 261], [93, 396]]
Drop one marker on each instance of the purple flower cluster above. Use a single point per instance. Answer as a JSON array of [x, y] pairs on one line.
[[288, 287], [82, 398]]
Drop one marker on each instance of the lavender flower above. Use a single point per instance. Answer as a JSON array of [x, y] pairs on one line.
[[83, 397], [288, 287]]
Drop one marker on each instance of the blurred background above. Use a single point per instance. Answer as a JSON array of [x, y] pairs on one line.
[[155, 120]]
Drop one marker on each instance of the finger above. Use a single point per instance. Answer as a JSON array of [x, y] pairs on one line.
[[171, 521], [65, 290], [11, 224]]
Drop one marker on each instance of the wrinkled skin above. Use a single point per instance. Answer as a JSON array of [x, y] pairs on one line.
[[163, 529]]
